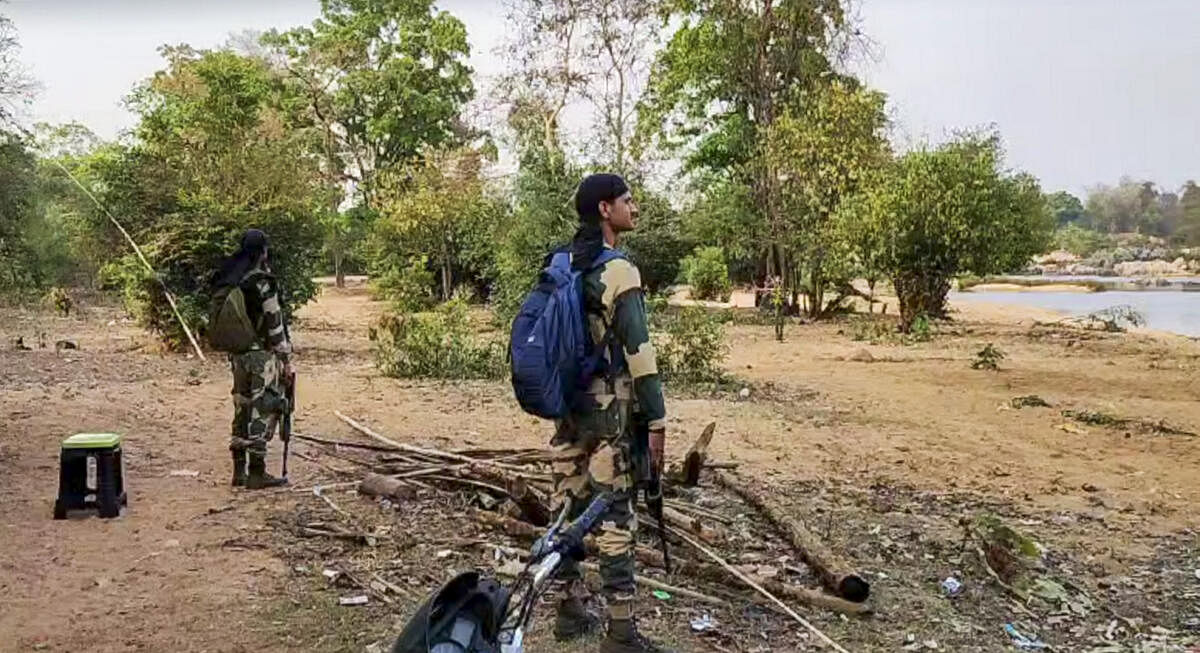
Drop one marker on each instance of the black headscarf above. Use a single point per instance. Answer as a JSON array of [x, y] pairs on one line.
[[589, 238], [234, 268]]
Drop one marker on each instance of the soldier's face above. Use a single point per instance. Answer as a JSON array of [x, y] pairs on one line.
[[621, 213]]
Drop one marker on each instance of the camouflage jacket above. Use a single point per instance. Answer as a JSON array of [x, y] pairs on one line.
[[262, 301], [613, 296]]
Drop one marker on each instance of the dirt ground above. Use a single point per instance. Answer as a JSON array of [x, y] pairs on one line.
[[882, 452]]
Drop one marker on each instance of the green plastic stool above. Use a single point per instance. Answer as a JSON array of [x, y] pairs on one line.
[[106, 492]]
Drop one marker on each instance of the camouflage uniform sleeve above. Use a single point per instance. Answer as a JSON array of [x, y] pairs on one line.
[[631, 329], [272, 319]]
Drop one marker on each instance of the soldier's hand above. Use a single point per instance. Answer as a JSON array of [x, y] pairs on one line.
[[658, 441]]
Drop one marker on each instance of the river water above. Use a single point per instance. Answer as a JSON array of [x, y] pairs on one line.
[[1174, 311]]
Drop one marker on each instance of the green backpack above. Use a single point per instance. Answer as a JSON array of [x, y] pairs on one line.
[[229, 326]]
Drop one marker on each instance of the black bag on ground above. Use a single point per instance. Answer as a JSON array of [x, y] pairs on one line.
[[464, 616]]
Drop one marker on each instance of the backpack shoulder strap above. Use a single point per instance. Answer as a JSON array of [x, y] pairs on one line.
[[606, 255]]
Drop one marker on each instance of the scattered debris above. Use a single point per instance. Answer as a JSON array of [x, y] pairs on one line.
[[361, 599], [661, 595], [862, 356], [703, 623], [186, 473], [951, 586], [1028, 401], [1096, 418], [1023, 641]]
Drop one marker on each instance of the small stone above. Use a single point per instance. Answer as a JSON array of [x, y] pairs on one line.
[[862, 356], [744, 393]]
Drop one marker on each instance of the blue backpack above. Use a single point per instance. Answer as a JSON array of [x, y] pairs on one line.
[[553, 358]]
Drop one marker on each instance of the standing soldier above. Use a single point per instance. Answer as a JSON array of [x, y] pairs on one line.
[[248, 323], [592, 445]]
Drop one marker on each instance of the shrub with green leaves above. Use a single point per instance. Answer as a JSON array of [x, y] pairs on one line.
[[437, 344], [708, 275], [692, 347], [988, 358], [409, 288]]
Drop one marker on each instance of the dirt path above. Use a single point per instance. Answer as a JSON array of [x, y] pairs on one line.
[[195, 566]]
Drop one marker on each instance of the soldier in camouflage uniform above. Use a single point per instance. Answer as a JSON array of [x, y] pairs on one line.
[[258, 374], [592, 445]]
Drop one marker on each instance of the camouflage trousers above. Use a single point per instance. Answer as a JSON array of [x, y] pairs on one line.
[[591, 455], [258, 400]]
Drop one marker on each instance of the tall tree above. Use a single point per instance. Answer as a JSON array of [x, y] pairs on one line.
[[214, 153], [1188, 231], [822, 150], [1130, 206], [16, 86], [1065, 207], [382, 80], [723, 80]]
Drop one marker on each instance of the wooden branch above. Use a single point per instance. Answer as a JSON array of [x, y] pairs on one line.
[[378, 485], [432, 453], [659, 585], [831, 570], [357, 538], [693, 462], [342, 443], [759, 588], [466, 481], [512, 527], [686, 507], [533, 508], [692, 525], [712, 573]]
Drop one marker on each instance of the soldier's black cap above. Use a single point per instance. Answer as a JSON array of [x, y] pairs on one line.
[[601, 187]]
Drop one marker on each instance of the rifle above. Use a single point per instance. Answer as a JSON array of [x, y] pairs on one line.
[[649, 481], [285, 424]]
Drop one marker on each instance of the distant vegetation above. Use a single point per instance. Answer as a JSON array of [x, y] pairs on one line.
[[357, 144]]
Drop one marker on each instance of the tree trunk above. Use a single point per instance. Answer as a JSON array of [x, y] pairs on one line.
[[445, 272], [871, 294], [339, 256], [921, 295]]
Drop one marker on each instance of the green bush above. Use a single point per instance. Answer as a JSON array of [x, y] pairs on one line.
[[437, 344], [708, 275], [408, 288], [1080, 241], [692, 347], [988, 358]]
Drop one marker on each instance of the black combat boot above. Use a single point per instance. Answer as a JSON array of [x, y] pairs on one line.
[[259, 478], [623, 637], [572, 620], [239, 467]]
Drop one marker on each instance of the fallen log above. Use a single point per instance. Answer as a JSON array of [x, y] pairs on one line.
[[831, 570], [692, 525], [378, 485], [533, 508], [693, 462], [715, 574]]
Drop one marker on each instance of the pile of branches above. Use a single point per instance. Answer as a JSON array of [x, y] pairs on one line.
[[510, 492]]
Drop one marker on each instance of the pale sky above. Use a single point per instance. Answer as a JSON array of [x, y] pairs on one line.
[[1083, 91]]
